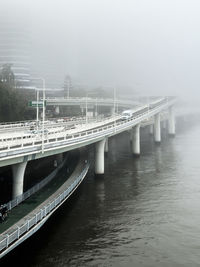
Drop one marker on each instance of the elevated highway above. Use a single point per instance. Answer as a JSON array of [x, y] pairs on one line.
[[17, 147], [23, 145]]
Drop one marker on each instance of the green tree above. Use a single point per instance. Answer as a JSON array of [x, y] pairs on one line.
[[13, 104], [6, 75]]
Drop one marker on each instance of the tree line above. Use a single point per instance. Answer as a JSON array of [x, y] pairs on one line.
[[13, 102]]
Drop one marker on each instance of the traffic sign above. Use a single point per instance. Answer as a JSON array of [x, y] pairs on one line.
[[34, 104]]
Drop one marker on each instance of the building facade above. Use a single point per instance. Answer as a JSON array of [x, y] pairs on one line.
[[15, 51]]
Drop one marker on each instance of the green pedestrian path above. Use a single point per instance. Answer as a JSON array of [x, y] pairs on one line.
[[36, 199]]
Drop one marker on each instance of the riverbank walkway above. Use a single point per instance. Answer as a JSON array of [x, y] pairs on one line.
[[66, 181]]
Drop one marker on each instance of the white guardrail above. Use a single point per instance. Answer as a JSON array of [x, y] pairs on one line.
[[28, 123], [44, 212], [91, 100], [28, 144]]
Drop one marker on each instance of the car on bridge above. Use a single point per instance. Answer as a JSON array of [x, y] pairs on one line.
[[127, 114]]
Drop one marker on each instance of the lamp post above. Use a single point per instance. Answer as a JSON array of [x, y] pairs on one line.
[[86, 105], [96, 109], [37, 109], [67, 84], [114, 105], [43, 107], [68, 88], [43, 113], [114, 99]]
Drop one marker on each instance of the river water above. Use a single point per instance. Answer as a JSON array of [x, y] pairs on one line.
[[142, 212]]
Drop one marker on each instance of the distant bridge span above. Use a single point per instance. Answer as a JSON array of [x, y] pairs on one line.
[[81, 101]]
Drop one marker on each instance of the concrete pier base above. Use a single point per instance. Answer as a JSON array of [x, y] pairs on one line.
[[171, 122], [130, 135], [18, 171], [157, 131], [151, 129], [112, 111], [136, 140], [164, 124], [106, 146], [57, 110], [99, 157]]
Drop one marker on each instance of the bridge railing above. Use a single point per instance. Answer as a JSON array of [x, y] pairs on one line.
[[63, 138], [29, 138], [27, 124], [50, 123], [88, 99], [42, 214]]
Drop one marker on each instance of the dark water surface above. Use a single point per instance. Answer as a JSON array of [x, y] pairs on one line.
[[143, 212]]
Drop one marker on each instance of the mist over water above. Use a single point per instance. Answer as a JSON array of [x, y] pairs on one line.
[[142, 212]]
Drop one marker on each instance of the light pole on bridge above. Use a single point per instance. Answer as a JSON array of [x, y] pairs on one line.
[[86, 105], [114, 105], [43, 107]]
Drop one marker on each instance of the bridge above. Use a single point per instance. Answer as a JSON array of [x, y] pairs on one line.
[[83, 102], [77, 101], [22, 142]]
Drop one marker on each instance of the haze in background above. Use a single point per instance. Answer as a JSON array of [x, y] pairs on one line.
[[150, 47]]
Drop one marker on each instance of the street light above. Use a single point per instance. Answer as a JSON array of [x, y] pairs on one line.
[[86, 105], [43, 114], [114, 99], [96, 109], [37, 110], [114, 105], [67, 84], [43, 107], [68, 88]]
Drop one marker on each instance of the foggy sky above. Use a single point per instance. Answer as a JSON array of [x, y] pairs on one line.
[[151, 46]]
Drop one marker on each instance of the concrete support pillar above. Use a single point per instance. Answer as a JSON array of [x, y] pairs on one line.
[[99, 157], [171, 122], [57, 110], [151, 129], [164, 123], [131, 135], [136, 140], [157, 132], [59, 158], [106, 146], [95, 113], [18, 171], [112, 111]]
